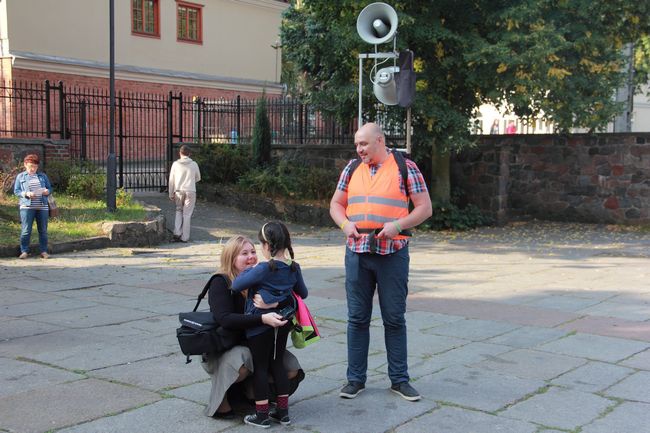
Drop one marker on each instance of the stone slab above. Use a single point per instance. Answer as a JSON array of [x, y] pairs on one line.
[[81, 403], [560, 408], [17, 328], [20, 376], [517, 314], [527, 337], [332, 414], [92, 316], [452, 419], [35, 344], [10, 297], [626, 418], [635, 387], [154, 374], [465, 355], [421, 320], [611, 327], [632, 312], [170, 415], [472, 329], [52, 305], [197, 392], [530, 364], [566, 303], [640, 360], [468, 387], [100, 355], [595, 347], [593, 376]]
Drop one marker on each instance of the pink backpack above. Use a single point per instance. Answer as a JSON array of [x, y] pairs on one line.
[[304, 331]]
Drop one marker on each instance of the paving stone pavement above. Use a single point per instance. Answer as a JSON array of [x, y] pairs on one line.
[[533, 327]]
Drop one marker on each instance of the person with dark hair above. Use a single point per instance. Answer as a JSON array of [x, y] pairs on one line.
[[182, 190], [32, 189], [274, 281], [371, 206], [231, 371]]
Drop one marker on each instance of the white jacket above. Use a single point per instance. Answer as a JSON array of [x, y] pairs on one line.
[[183, 175]]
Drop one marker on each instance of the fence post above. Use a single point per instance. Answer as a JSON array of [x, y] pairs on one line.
[[61, 111], [180, 117], [120, 134], [238, 117], [197, 110], [170, 150], [82, 129], [300, 126], [48, 125]]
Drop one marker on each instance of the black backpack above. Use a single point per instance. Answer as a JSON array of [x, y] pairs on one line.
[[401, 163], [200, 334]]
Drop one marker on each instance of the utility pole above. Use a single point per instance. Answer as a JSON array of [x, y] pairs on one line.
[[111, 163]]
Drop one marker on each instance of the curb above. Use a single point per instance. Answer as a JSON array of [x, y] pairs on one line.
[[119, 234]]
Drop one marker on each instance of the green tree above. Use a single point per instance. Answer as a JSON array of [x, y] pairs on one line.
[[261, 140], [562, 58]]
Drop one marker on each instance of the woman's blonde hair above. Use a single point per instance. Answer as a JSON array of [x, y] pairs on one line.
[[231, 250]]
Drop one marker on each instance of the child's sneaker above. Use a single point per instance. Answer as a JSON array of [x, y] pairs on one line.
[[277, 415], [257, 421]]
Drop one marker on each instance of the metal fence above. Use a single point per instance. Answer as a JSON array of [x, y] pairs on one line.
[[148, 125]]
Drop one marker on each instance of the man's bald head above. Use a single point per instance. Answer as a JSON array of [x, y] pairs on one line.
[[371, 144]]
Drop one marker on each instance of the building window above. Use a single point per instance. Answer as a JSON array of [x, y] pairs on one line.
[[145, 17], [188, 22]]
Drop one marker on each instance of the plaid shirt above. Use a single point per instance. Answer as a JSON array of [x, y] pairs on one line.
[[415, 183]]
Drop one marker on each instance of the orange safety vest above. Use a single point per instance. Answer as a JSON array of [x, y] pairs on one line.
[[376, 200]]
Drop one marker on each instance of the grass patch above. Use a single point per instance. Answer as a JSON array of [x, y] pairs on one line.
[[79, 219]]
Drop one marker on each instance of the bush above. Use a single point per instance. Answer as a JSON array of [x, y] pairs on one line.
[[448, 216], [261, 141], [7, 180], [86, 181], [222, 163], [60, 172], [291, 178], [123, 198], [266, 181]]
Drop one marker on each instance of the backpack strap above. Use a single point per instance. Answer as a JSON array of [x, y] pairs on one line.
[[401, 164], [206, 288]]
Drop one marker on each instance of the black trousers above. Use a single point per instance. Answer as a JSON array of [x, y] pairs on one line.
[[268, 353]]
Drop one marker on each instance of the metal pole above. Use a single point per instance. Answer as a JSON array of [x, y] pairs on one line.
[[360, 90], [111, 162], [408, 131]]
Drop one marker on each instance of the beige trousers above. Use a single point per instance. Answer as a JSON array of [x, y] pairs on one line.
[[185, 201]]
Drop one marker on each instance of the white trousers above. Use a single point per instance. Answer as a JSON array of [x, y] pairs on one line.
[[185, 201]]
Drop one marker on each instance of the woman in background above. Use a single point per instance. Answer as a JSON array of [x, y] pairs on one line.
[[32, 188]]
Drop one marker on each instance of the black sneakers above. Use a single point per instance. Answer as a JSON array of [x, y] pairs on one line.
[[351, 390], [276, 415], [406, 391], [258, 421]]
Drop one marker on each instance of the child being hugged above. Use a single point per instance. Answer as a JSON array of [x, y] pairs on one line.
[[274, 281]]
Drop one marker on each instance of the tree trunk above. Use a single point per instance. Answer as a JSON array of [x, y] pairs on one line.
[[440, 182]]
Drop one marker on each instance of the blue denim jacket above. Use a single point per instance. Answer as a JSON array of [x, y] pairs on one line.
[[22, 186]]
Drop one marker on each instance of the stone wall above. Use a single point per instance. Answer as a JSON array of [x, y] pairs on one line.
[[13, 150], [602, 178]]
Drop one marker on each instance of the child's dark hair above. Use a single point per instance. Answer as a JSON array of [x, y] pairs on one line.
[[276, 235]]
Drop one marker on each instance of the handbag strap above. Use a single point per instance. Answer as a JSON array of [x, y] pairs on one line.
[[206, 288]]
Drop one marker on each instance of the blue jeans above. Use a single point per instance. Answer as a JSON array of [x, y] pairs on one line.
[[389, 275], [27, 217]]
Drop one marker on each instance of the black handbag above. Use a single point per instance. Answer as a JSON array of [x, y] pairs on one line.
[[200, 334]]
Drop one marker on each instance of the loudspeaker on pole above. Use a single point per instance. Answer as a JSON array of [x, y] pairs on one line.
[[377, 23]]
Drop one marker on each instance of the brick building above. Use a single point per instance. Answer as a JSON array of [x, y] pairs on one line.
[[205, 48]]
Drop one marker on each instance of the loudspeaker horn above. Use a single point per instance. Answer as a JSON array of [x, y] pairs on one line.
[[385, 87], [377, 23]]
